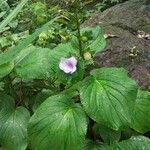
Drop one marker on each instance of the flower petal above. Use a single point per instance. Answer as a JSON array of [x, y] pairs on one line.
[[73, 60], [73, 70]]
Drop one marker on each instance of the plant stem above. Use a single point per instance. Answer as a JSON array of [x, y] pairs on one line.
[[79, 33]]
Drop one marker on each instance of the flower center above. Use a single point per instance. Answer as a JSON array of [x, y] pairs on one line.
[[69, 64]]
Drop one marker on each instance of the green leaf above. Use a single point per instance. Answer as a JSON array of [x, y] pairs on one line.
[[134, 143], [90, 145], [6, 69], [13, 52], [43, 63], [13, 124], [2, 13], [108, 135], [36, 65], [2, 84], [141, 116], [5, 42], [12, 14], [1, 1], [96, 41], [108, 97], [24, 53], [59, 124], [40, 98]]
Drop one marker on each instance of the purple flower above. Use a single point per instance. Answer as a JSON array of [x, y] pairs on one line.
[[68, 65]]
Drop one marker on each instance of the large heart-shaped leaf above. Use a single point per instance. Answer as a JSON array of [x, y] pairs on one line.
[[134, 143], [13, 124], [43, 63], [141, 116], [59, 124], [108, 96]]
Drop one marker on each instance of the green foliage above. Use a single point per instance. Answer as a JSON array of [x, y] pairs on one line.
[[108, 135], [44, 63], [90, 145], [134, 143], [60, 122], [12, 53], [40, 12], [6, 69], [108, 96], [13, 124], [141, 117], [92, 38], [8, 39], [12, 14], [40, 98], [1, 86], [104, 4]]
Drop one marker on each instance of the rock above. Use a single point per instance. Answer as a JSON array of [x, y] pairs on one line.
[[121, 25]]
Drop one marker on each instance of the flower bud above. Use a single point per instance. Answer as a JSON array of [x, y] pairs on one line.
[[87, 56], [84, 39], [43, 36]]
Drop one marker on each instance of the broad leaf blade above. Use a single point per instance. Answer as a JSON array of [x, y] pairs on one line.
[[134, 143], [35, 65], [141, 116], [58, 123], [108, 97], [13, 125]]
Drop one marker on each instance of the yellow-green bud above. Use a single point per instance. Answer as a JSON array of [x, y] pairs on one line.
[[41, 41], [87, 56], [43, 36], [84, 39]]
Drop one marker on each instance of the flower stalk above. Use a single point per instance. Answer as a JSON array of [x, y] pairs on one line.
[[78, 31]]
